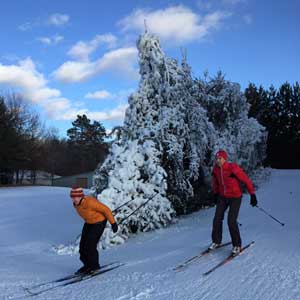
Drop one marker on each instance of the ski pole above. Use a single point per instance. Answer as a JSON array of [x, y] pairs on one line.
[[138, 208], [116, 209], [260, 208]]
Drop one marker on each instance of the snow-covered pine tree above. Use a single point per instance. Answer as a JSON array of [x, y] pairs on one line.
[[133, 169], [242, 137], [199, 142], [165, 139], [164, 110], [134, 173]]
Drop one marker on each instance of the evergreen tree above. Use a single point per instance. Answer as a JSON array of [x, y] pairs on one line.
[[242, 137], [287, 112], [279, 112], [295, 112], [135, 174], [86, 144], [124, 175], [259, 104]]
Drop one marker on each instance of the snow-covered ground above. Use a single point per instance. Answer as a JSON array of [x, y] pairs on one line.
[[34, 219]]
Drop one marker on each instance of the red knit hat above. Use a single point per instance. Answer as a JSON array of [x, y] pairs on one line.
[[76, 192], [222, 153]]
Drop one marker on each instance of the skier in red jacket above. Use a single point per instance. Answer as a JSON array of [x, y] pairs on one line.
[[226, 178]]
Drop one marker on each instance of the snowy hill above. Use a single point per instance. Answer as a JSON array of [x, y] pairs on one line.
[[34, 219]]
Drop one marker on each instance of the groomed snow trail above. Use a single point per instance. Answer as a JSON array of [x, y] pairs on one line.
[[33, 219]]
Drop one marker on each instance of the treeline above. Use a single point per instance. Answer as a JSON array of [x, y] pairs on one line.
[[26, 145], [279, 111]]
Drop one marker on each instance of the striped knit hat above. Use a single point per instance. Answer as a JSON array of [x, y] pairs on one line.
[[222, 153], [76, 192]]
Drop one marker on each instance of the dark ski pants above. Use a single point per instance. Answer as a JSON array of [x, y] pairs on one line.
[[90, 236], [234, 205]]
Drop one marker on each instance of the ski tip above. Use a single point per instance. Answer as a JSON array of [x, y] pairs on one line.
[[247, 246]]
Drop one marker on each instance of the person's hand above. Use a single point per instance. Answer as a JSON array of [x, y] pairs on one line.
[[216, 199], [253, 200], [114, 227]]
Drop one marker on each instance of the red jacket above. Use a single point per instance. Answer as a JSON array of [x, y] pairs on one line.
[[226, 180]]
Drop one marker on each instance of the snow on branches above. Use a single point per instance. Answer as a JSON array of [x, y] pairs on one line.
[[242, 137], [173, 126]]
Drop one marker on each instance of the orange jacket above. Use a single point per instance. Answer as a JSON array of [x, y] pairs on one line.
[[93, 211]]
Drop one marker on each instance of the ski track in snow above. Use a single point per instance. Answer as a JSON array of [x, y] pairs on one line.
[[267, 270]]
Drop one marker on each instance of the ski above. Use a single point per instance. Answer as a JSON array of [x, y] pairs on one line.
[[227, 259], [71, 281], [203, 253], [88, 276], [65, 278]]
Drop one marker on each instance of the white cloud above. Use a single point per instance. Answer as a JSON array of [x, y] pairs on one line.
[[102, 94], [58, 19], [121, 60], [12, 58], [26, 26], [248, 19], [50, 40], [233, 2], [34, 87], [25, 77], [75, 71], [82, 50], [44, 40], [54, 19], [56, 108], [120, 96], [117, 113], [62, 109], [177, 24], [41, 94]]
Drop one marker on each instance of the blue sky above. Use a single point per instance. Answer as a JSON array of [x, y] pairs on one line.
[[74, 57]]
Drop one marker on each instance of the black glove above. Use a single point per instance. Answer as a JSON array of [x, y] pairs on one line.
[[114, 227], [216, 199], [253, 200]]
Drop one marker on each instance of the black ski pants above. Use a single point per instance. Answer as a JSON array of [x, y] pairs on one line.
[[90, 236], [234, 205]]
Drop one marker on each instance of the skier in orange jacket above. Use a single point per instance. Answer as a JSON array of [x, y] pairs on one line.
[[95, 214]]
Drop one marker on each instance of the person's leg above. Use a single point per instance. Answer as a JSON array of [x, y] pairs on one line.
[[234, 207], [95, 233], [218, 221], [83, 245]]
